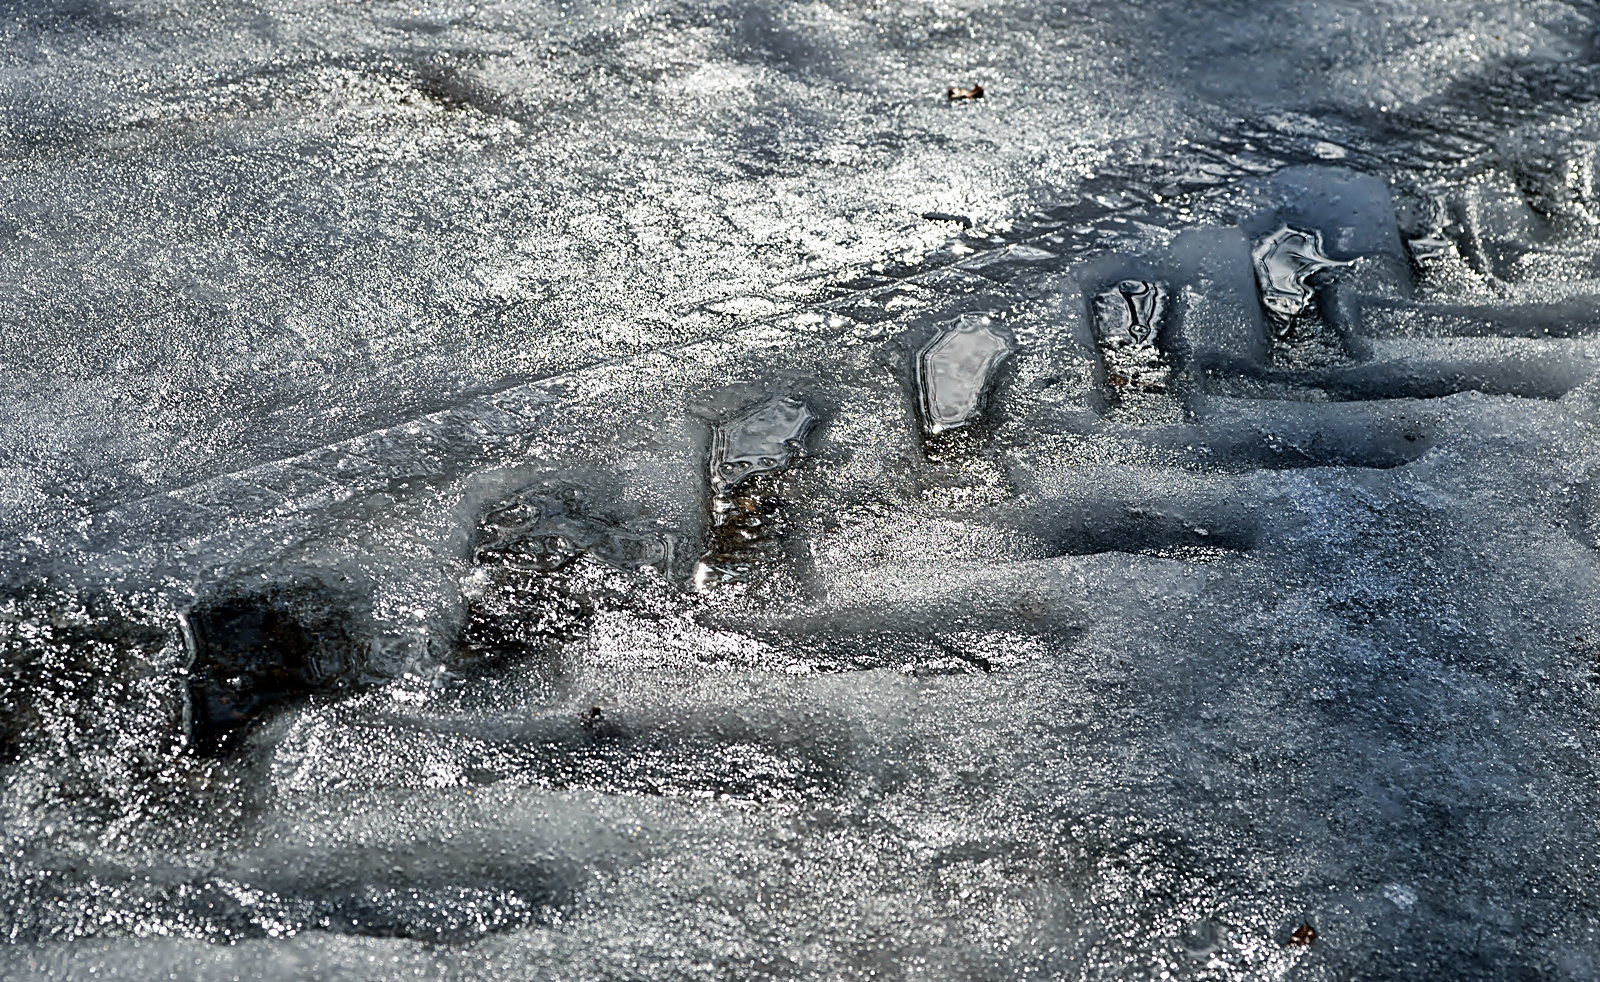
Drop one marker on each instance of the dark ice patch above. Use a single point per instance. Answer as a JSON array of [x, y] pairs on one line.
[[746, 531], [541, 532], [536, 556], [87, 670], [374, 893], [253, 653], [404, 902]]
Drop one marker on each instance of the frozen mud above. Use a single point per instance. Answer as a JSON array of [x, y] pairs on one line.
[[578, 491]]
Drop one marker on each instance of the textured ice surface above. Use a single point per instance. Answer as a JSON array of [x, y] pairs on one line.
[[374, 605]]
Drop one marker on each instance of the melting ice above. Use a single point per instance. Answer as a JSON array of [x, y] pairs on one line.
[[1285, 262], [592, 491], [955, 370], [1127, 319]]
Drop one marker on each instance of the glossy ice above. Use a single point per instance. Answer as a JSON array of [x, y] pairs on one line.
[[371, 607], [1285, 262], [764, 440], [955, 371], [1127, 321], [747, 454]]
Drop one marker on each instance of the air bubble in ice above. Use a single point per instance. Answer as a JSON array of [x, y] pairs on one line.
[[1285, 261], [763, 441], [1127, 319], [955, 371]]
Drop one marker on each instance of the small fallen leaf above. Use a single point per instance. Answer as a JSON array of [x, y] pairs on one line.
[[959, 94], [1302, 936]]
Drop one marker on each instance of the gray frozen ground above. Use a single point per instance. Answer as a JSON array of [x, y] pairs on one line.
[[581, 491]]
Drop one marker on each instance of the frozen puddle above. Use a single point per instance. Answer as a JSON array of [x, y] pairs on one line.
[[748, 453], [955, 371], [740, 562], [1286, 261]]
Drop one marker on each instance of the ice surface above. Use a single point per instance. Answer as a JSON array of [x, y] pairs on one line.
[[1223, 324], [476, 501], [248, 654], [748, 453], [1127, 319], [764, 441], [1286, 261], [955, 370]]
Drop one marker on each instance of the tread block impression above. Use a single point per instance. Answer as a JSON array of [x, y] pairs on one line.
[[956, 370], [534, 583], [749, 455], [1221, 324]]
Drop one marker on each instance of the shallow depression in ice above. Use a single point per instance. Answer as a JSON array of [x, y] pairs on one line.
[[1089, 491]]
